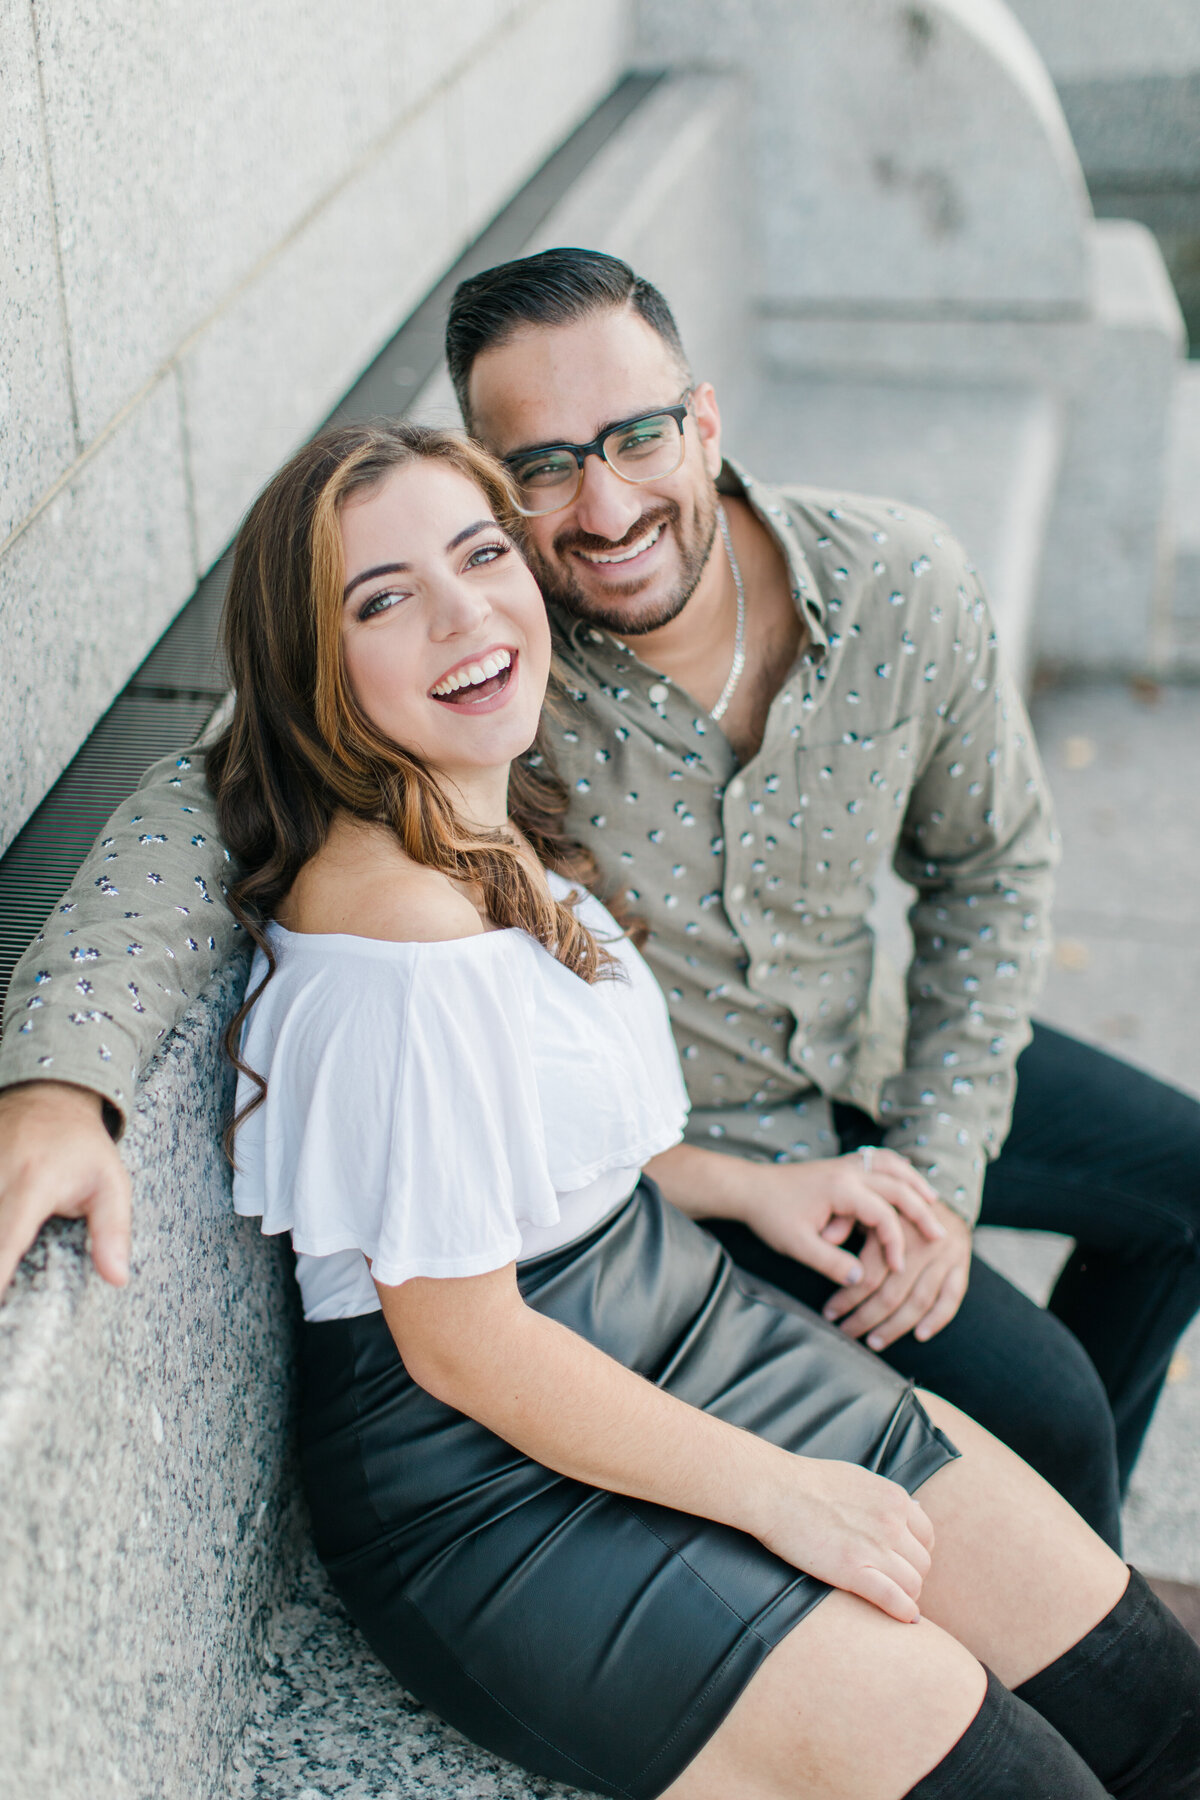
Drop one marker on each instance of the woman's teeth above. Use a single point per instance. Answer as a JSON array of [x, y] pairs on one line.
[[473, 674], [621, 556]]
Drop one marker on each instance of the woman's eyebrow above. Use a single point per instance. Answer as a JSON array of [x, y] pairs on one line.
[[469, 531], [370, 574], [401, 568]]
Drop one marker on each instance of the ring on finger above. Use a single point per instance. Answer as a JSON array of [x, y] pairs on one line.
[[867, 1152]]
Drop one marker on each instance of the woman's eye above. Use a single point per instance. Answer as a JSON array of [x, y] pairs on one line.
[[486, 553], [380, 603]]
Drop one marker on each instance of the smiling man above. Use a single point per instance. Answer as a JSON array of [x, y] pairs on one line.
[[770, 695]]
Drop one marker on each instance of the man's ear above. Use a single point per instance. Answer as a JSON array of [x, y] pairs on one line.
[[707, 415]]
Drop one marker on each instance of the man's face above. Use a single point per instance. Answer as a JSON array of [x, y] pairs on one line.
[[624, 556]]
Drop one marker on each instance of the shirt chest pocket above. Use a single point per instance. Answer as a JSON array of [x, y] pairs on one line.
[[852, 799]]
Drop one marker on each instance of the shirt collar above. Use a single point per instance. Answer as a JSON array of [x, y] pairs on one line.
[[770, 507]]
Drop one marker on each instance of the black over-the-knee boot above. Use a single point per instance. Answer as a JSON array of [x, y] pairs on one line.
[[1127, 1696], [1008, 1752]]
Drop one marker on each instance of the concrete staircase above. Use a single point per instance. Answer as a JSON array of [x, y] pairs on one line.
[[174, 1637]]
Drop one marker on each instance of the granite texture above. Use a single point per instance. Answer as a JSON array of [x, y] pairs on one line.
[[902, 155], [148, 1514], [224, 129], [37, 440], [274, 361], [84, 592], [330, 1723]]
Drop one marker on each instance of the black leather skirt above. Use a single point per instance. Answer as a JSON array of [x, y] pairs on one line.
[[591, 1638]]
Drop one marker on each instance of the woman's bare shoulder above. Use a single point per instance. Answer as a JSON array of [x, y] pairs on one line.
[[361, 884]]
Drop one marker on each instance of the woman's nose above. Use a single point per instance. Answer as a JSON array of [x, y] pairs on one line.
[[460, 607]]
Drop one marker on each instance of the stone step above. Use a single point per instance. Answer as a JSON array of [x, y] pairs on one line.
[[1183, 642], [983, 458]]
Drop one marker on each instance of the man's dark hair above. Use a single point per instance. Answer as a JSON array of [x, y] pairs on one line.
[[555, 287]]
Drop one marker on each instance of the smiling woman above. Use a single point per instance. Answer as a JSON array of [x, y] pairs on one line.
[[605, 1505]]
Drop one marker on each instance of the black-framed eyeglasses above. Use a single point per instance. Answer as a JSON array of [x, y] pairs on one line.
[[643, 448]]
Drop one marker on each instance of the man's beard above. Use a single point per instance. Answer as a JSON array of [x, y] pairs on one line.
[[561, 588]]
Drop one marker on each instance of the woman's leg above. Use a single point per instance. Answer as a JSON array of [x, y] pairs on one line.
[[1018, 1580], [1017, 1576], [854, 1706]]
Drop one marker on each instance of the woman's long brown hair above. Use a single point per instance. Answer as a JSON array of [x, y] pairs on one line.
[[299, 748]]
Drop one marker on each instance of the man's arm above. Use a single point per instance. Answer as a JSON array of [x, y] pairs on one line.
[[141, 931], [979, 846]]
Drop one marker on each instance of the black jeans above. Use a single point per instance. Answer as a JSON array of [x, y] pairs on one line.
[[1110, 1157]]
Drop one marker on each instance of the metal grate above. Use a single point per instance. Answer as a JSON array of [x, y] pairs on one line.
[[173, 693]]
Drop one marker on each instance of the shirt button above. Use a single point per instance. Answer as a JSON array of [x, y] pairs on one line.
[[658, 694], [737, 786], [738, 891]]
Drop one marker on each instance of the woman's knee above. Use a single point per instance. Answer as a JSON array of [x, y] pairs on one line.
[[1017, 1575], [796, 1733]]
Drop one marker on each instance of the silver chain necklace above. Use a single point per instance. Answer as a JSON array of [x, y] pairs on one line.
[[739, 639]]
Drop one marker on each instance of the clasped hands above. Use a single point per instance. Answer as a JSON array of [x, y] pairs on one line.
[[912, 1270]]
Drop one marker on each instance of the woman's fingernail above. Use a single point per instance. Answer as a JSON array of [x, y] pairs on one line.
[[875, 1342], [855, 1275], [920, 1334]]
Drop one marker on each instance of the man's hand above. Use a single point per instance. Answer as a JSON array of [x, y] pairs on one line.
[[922, 1297], [806, 1210], [57, 1158]]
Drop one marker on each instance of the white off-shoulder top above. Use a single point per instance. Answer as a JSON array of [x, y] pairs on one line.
[[446, 1108]]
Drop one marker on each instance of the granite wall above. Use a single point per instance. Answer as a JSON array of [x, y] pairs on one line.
[[211, 217]]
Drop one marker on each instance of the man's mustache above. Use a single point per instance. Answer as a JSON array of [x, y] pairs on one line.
[[667, 514]]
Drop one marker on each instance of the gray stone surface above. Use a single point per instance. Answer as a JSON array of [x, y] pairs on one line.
[[329, 1723], [148, 1520], [903, 156], [37, 439], [1184, 500], [1103, 590], [84, 592], [1084, 40], [273, 362], [196, 167], [985, 459]]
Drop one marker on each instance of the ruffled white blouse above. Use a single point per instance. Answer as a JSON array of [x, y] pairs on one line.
[[446, 1108]]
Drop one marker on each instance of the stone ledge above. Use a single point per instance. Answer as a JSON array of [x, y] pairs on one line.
[[330, 1723]]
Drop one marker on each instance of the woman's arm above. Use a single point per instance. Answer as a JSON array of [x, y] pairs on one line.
[[805, 1210], [475, 1345]]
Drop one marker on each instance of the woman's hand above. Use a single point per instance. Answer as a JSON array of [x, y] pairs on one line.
[[807, 1210], [855, 1530], [57, 1158]]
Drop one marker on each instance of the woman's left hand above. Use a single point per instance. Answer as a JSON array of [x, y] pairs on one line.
[[806, 1210]]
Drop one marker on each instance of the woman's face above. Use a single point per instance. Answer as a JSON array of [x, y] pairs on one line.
[[445, 635]]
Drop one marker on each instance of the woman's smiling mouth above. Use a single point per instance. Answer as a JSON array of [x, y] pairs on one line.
[[472, 683]]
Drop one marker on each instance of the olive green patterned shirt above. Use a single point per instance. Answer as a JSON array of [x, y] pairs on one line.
[[897, 738]]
